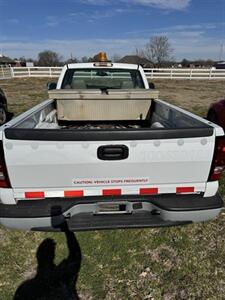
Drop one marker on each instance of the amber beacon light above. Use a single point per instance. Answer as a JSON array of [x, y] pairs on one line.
[[102, 60], [102, 57]]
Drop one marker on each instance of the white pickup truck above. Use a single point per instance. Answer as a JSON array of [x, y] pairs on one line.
[[105, 152]]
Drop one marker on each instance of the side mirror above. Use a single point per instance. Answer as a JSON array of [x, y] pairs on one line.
[[51, 85], [151, 85]]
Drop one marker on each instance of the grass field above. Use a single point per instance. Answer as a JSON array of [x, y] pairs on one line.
[[170, 263]]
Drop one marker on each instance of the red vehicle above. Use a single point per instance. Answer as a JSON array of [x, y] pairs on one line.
[[5, 115], [216, 113]]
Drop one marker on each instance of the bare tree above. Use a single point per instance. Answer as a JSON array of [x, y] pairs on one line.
[[158, 50], [185, 63], [71, 60], [49, 58], [84, 59], [116, 57], [139, 52]]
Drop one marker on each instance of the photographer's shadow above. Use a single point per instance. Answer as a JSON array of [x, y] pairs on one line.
[[53, 281]]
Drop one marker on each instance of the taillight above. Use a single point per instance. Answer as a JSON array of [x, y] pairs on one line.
[[218, 164], [4, 179]]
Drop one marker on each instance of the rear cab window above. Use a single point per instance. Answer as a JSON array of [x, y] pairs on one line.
[[102, 78]]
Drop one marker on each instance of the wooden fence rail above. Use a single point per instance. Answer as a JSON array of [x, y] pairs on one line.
[[172, 73], [19, 72], [185, 73], [5, 72]]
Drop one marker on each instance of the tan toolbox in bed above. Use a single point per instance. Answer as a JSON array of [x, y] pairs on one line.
[[94, 105]]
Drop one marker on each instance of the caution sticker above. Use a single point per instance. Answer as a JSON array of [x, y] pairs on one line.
[[111, 181]]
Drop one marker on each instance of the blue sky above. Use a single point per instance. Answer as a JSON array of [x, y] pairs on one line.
[[195, 28]]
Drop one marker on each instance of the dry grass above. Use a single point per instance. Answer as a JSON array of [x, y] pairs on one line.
[[191, 94], [24, 93], [168, 263]]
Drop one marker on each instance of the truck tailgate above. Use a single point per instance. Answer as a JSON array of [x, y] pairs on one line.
[[81, 167]]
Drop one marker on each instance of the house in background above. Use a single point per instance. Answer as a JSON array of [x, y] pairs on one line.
[[199, 64], [6, 61], [220, 65], [137, 60]]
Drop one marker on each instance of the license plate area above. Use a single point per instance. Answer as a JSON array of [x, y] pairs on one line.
[[113, 208]]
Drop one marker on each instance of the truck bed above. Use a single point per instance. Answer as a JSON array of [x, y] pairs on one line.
[[160, 116]]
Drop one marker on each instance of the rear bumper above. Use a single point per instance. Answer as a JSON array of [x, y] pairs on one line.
[[82, 213]]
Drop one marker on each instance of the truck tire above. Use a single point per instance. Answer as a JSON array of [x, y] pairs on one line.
[[3, 115]]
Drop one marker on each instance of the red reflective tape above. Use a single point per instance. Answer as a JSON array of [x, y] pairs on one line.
[[187, 189], [148, 191], [112, 192], [74, 193], [32, 195]]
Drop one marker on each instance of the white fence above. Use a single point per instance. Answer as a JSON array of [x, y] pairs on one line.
[[179, 73], [5, 72], [19, 72], [185, 73]]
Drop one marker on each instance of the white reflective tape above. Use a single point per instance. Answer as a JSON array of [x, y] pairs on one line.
[[52, 194], [93, 192], [20, 194]]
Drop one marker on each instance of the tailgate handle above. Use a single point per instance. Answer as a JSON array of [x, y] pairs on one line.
[[113, 152]]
